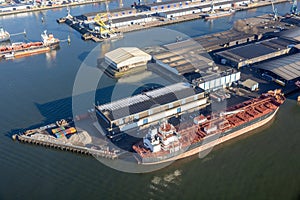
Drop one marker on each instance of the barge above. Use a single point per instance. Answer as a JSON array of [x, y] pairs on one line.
[[169, 143], [20, 49]]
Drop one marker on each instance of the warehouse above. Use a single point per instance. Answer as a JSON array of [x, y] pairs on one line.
[[224, 39], [164, 6], [150, 107], [183, 57], [257, 52], [287, 68], [126, 21], [217, 80], [116, 13], [183, 12], [123, 59]]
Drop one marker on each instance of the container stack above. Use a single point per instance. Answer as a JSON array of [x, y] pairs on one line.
[[62, 131]]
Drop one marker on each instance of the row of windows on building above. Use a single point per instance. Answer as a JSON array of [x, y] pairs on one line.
[[145, 121], [169, 6]]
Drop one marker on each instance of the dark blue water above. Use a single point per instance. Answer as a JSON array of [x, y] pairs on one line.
[[35, 90]]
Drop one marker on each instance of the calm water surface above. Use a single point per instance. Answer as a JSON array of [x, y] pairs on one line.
[[36, 90]]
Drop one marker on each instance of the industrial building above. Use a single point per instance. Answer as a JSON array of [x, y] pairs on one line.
[[183, 57], [286, 68], [15, 7], [256, 52], [127, 21], [182, 12], [224, 39], [150, 107], [125, 59], [164, 6], [116, 13], [217, 80]]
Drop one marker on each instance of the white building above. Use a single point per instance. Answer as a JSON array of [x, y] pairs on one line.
[[125, 58]]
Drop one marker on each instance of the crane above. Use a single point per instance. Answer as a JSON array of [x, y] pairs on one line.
[[294, 9], [105, 30], [275, 12]]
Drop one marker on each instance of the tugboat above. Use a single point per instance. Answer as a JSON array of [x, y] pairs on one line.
[[4, 35]]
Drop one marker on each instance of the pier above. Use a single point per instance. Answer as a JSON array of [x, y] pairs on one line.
[[66, 147]]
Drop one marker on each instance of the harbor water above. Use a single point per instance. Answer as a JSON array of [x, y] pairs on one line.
[[37, 90]]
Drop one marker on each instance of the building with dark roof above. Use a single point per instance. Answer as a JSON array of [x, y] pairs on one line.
[[150, 107], [287, 68], [256, 52]]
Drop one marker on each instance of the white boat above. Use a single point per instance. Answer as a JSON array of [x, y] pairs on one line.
[[213, 15], [9, 56], [4, 35]]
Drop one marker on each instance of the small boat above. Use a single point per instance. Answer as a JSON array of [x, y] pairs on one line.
[[4, 35], [9, 56], [214, 15]]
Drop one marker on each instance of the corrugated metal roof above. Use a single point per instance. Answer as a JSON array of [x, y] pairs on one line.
[[142, 102], [120, 55], [185, 56], [288, 67], [257, 49]]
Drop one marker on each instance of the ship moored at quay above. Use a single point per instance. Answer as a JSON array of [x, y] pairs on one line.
[[169, 143]]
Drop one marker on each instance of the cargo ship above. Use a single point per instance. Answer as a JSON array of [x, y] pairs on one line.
[[214, 15], [20, 49], [168, 143], [4, 35]]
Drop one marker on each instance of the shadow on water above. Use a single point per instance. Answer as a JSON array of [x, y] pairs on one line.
[[83, 56], [62, 108]]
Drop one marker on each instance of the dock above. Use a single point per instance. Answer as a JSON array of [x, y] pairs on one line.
[[67, 147], [128, 19], [58, 136]]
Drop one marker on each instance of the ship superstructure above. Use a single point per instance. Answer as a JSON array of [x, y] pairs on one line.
[[4, 35]]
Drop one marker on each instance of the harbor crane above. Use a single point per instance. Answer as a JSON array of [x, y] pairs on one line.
[[101, 19], [294, 8], [275, 12]]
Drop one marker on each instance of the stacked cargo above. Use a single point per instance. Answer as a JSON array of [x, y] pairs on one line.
[[62, 131]]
